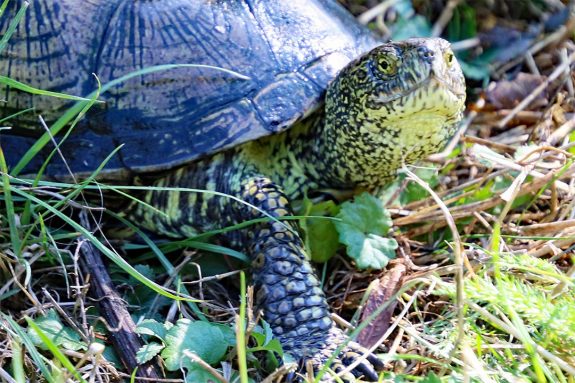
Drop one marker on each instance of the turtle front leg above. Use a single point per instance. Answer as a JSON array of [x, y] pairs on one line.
[[288, 289]]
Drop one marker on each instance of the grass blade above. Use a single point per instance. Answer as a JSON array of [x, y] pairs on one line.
[[19, 333], [55, 350], [106, 251], [81, 106], [3, 7], [171, 270], [15, 115], [10, 214], [13, 23], [30, 89], [241, 332]]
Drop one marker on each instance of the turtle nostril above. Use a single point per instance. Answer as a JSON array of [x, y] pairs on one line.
[[425, 53]]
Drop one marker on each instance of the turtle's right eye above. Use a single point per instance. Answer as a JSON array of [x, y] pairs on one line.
[[387, 64]]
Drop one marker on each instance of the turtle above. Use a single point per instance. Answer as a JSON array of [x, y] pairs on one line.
[[306, 102]]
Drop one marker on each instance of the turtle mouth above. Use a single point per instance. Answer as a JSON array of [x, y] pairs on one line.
[[457, 91], [434, 83]]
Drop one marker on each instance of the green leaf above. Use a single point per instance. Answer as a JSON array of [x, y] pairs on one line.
[[364, 222], [146, 271], [414, 191], [266, 331], [59, 357], [153, 328], [320, 234], [265, 340], [227, 332], [201, 338], [55, 330], [148, 351], [199, 374]]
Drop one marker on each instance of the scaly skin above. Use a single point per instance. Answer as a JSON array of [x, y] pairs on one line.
[[396, 104]]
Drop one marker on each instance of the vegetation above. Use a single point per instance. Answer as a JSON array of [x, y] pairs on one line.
[[482, 285]]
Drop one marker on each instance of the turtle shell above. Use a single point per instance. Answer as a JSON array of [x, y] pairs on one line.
[[289, 50]]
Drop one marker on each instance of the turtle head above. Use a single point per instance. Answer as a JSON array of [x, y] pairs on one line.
[[408, 77], [396, 104]]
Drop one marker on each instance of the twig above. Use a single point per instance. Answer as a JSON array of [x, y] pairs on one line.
[[280, 372], [550, 227], [57, 147], [492, 144], [379, 9], [65, 316], [555, 37], [567, 73], [126, 341], [462, 45], [550, 246], [444, 18], [527, 100], [561, 131], [464, 210], [215, 373]]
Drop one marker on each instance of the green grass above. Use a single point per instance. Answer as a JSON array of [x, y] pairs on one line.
[[519, 318]]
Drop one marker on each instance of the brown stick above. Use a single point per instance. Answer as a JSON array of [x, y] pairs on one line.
[[125, 340]]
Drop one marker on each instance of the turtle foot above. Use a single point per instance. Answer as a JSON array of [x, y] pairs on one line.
[[316, 361]]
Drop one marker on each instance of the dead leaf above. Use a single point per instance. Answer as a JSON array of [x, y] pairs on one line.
[[385, 288], [506, 94]]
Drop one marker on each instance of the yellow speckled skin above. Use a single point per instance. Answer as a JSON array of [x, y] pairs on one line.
[[397, 104]]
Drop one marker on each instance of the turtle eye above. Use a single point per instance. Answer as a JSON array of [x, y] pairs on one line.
[[449, 58], [387, 64]]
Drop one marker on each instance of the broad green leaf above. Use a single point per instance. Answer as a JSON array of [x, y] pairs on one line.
[[153, 328], [273, 345], [201, 338], [265, 340], [227, 332], [60, 359], [320, 234], [55, 330], [364, 222], [265, 330], [148, 351], [401, 193], [197, 374], [413, 191], [146, 271]]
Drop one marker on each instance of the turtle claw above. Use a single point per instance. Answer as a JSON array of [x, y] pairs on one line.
[[367, 363], [364, 367], [368, 366]]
